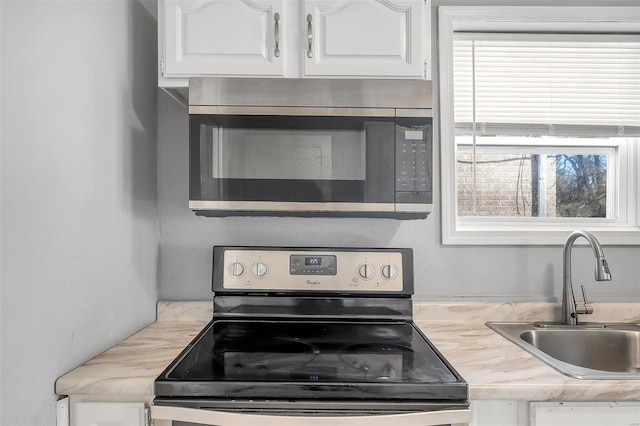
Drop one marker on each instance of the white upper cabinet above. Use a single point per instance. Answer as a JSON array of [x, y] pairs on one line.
[[369, 38], [221, 37], [291, 38]]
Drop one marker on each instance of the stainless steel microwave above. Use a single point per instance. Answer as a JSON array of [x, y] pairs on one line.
[[307, 147]]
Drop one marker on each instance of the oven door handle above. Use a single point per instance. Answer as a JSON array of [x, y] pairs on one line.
[[164, 415]]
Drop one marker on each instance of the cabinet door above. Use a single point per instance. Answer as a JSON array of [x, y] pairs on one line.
[[222, 37], [585, 413], [497, 413], [108, 414], [365, 38]]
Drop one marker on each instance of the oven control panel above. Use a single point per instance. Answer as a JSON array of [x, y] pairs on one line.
[[287, 270]]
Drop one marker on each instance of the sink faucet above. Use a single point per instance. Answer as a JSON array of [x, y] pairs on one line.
[[570, 309]]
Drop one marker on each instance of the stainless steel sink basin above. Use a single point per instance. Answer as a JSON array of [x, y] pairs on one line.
[[584, 351]]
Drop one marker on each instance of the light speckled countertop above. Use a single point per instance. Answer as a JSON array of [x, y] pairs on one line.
[[494, 367]]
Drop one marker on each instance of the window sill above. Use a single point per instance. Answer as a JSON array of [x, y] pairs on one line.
[[485, 234]]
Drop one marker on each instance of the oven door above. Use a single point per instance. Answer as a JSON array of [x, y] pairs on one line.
[[306, 159], [183, 416]]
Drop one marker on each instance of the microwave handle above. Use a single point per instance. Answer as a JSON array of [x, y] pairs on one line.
[[164, 415]]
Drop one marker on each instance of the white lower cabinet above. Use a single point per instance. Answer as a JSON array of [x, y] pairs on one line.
[[526, 413], [499, 413], [108, 414], [585, 413]]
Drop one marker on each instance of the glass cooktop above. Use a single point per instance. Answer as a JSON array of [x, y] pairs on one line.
[[312, 359]]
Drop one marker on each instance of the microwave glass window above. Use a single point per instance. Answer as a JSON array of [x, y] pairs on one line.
[[308, 154]]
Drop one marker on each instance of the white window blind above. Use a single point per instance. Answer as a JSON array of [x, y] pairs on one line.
[[547, 84]]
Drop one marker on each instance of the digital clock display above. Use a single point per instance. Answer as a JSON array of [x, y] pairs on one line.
[[319, 264], [313, 261]]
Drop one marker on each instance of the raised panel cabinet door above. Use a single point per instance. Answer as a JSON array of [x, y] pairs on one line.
[[108, 414], [379, 38], [223, 37]]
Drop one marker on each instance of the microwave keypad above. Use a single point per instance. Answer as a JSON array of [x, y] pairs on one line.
[[412, 163]]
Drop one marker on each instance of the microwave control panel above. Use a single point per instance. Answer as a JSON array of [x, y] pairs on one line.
[[413, 159]]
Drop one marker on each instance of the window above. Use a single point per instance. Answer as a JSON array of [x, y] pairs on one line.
[[540, 122], [536, 176]]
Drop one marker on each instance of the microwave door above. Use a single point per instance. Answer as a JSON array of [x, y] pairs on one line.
[[295, 159], [376, 166]]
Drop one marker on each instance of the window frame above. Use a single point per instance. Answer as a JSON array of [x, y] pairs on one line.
[[624, 229], [614, 150]]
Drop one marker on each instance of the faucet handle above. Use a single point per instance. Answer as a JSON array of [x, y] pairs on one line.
[[585, 307]]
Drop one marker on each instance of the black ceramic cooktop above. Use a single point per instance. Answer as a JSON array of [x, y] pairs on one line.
[[332, 359]]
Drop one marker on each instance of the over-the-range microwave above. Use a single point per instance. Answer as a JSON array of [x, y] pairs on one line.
[[310, 147]]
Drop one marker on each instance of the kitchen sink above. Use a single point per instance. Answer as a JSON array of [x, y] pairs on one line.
[[584, 351]]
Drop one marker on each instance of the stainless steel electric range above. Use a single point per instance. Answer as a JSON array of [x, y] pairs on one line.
[[311, 336]]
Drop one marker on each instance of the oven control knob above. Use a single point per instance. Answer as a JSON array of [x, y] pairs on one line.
[[259, 269], [366, 271], [389, 271], [236, 269]]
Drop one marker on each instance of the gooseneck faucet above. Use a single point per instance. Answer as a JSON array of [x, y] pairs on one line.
[[570, 309]]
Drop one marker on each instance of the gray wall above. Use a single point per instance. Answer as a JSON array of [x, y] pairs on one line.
[[79, 215], [442, 272]]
